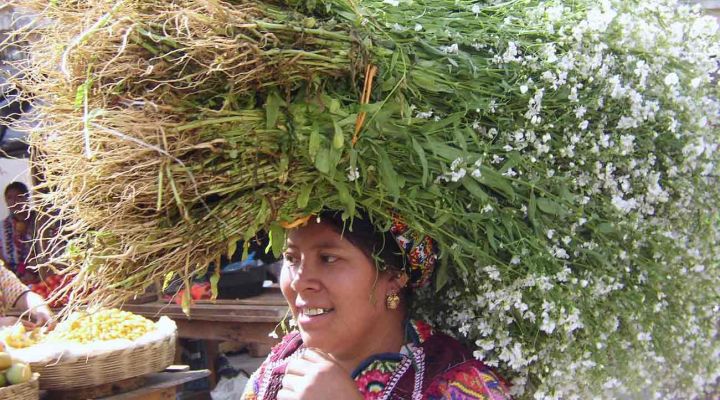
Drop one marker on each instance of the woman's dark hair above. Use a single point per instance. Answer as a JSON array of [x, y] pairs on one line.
[[379, 246], [18, 187]]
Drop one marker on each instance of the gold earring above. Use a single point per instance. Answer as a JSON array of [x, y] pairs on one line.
[[392, 301]]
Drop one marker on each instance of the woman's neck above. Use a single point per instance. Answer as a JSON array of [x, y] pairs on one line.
[[388, 337]]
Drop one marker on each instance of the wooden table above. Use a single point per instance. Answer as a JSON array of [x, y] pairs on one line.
[[248, 321], [158, 386], [245, 320]]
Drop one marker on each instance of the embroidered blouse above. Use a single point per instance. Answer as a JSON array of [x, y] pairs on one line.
[[432, 366], [15, 246]]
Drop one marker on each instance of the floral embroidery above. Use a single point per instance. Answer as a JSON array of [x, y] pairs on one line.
[[467, 382], [374, 378], [379, 378]]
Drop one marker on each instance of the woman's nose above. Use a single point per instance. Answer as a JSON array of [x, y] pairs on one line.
[[304, 277]]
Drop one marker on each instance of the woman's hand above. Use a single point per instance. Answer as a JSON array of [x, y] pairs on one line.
[[315, 376], [42, 315], [37, 309], [10, 321]]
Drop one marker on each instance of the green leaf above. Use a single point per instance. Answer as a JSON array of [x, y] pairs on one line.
[[605, 228], [445, 122], [441, 275], [304, 196], [168, 278], [322, 161], [232, 247], [344, 196], [549, 207], [490, 234], [272, 109], [371, 108], [389, 176], [214, 279], [497, 182], [277, 239], [423, 80], [423, 160], [83, 91], [532, 204], [474, 188], [338, 137], [314, 144]]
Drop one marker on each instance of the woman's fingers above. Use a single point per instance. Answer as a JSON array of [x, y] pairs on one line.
[[27, 324], [285, 394], [298, 367]]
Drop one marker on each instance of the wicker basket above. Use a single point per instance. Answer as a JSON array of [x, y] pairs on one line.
[[107, 368], [24, 391]]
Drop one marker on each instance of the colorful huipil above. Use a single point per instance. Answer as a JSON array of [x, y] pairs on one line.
[[15, 247], [431, 366]]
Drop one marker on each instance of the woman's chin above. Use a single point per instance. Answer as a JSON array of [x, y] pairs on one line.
[[314, 340]]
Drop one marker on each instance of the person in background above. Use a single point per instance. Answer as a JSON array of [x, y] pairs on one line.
[[16, 233], [356, 339]]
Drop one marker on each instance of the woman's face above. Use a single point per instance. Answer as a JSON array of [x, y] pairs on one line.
[[334, 290]]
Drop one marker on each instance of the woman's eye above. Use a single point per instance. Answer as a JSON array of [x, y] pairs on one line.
[[329, 259], [289, 258]]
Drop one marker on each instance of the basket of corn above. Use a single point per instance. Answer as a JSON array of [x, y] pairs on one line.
[[90, 349]]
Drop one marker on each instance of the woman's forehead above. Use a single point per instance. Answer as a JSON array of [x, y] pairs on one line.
[[316, 235]]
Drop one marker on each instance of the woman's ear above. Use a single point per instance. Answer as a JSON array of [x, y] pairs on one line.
[[398, 280]]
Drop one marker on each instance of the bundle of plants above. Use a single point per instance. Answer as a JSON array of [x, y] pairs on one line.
[[563, 155]]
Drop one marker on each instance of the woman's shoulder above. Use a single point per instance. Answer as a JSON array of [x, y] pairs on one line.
[[470, 379], [453, 372]]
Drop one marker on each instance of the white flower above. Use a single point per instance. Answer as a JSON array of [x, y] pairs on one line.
[[418, 27], [548, 325], [624, 205], [583, 125], [514, 356], [492, 272], [671, 79], [452, 49], [560, 253], [515, 260], [550, 233], [644, 337], [511, 53], [353, 174], [580, 112], [424, 114], [627, 123], [394, 3], [475, 9], [456, 163], [523, 89], [457, 175]]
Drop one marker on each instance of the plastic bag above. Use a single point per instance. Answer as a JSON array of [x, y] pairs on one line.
[[229, 389]]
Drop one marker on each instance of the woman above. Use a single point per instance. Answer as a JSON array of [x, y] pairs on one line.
[[354, 339]]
